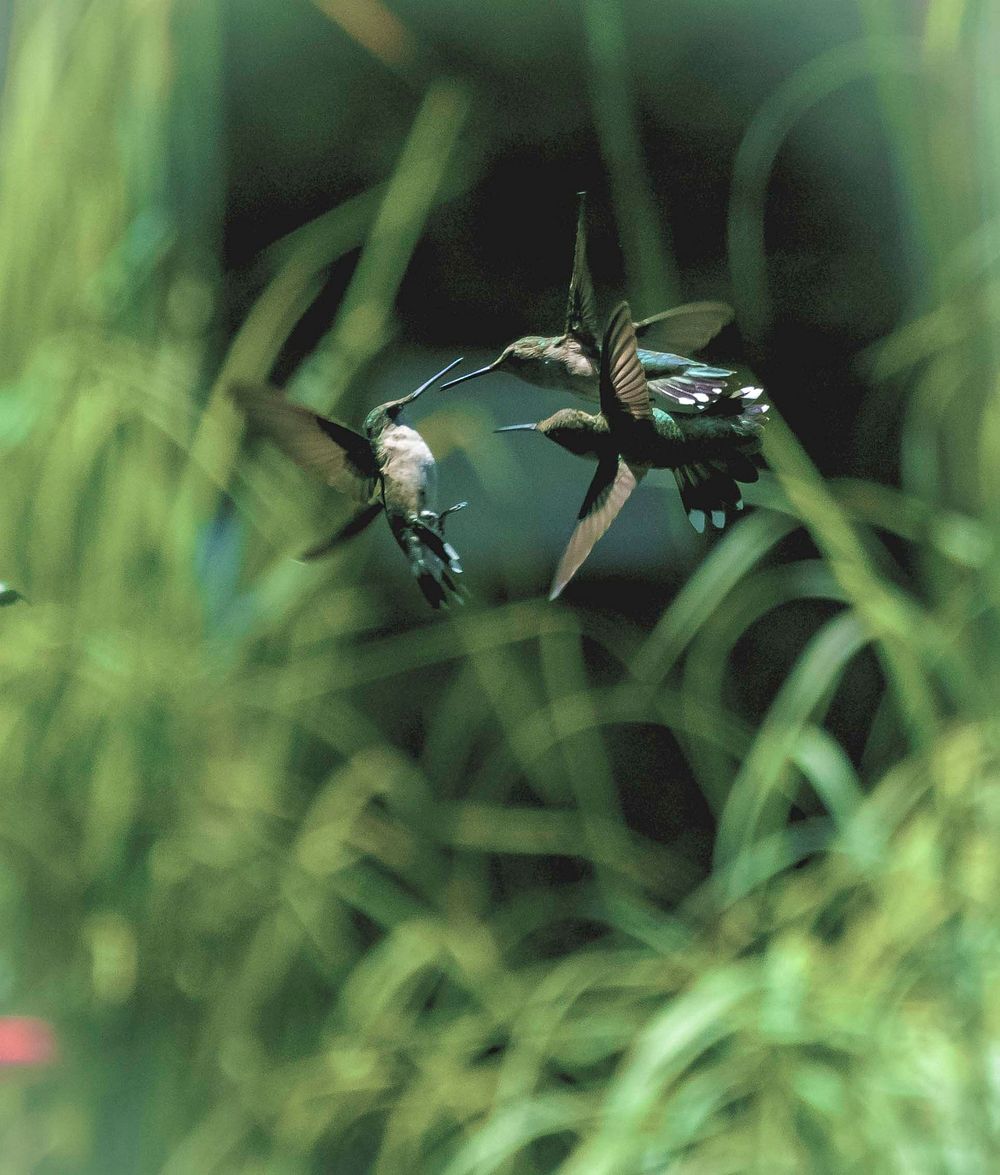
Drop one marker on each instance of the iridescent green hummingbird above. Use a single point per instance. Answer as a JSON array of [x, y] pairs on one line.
[[389, 469], [571, 361], [709, 452]]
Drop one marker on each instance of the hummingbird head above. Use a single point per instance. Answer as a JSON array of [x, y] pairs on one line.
[[527, 351], [521, 357], [572, 429], [377, 420], [386, 414]]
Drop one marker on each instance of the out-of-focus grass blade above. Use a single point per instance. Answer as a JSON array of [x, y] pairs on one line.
[[708, 665], [642, 226], [760, 788], [689, 1026], [586, 760], [513, 1128], [894, 619], [358, 332], [759, 149], [706, 589]]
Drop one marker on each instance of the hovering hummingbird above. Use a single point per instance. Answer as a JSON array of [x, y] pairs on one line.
[[709, 452], [571, 361], [389, 468]]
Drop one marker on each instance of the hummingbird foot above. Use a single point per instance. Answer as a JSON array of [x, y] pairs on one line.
[[451, 510]]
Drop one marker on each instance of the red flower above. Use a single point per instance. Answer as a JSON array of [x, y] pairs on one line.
[[26, 1040]]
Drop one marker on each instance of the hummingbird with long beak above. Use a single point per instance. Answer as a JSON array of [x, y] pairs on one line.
[[571, 361], [388, 469], [709, 453]]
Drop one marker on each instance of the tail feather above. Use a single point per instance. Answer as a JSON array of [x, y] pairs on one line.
[[709, 490], [709, 495], [696, 389], [745, 403], [434, 562], [686, 392]]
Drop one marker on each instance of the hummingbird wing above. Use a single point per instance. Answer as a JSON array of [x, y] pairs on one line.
[[354, 525], [624, 392], [689, 327], [581, 309], [613, 482], [341, 457]]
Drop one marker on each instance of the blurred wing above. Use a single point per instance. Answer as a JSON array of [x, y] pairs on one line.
[[690, 327], [623, 383], [581, 310], [339, 455], [354, 525], [613, 482]]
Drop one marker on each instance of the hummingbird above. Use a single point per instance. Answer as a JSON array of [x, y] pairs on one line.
[[709, 452], [571, 361], [388, 469]]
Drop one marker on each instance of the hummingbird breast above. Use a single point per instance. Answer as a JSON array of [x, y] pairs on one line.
[[409, 476], [579, 432]]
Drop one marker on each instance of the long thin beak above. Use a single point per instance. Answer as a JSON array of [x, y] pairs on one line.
[[427, 383], [472, 374], [518, 428]]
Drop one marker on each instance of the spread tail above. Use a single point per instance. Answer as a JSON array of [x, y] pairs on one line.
[[434, 562], [709, 490]]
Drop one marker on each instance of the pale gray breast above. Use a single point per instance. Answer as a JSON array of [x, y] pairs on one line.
[[408, 470]]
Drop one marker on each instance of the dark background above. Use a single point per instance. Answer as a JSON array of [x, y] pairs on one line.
[[308, 127]]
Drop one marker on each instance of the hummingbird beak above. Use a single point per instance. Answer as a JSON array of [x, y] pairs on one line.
[[426, 384], [518, 428], [473, 374]]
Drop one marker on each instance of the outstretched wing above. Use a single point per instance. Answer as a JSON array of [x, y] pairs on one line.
[[613, 482], [689, 327], [623, 384], [581, 309], [339, 455]]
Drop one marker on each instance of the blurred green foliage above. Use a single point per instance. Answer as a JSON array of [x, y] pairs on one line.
[[306, 884]]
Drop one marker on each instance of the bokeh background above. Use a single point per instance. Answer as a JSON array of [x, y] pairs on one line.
[[695, 871]]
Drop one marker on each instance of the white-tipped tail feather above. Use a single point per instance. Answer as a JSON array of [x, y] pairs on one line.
[[709, 490]]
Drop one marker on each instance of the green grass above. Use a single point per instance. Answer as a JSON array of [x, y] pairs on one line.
[[306, 885]]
